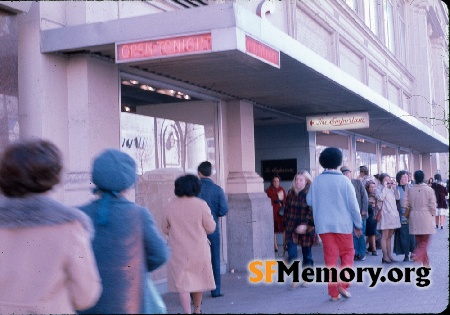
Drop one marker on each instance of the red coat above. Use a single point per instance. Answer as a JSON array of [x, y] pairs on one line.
[[272, 193]]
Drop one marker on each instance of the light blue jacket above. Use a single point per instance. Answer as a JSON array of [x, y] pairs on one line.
[[334, 205]]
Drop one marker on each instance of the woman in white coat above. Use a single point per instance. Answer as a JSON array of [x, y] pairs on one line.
[[421, 201], [386, 195]]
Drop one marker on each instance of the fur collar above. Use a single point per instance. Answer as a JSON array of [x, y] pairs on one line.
[[38, 210]]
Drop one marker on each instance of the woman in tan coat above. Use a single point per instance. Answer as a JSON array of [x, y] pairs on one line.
[[421, 201], [386, 195], [187, 221], [46, 260]]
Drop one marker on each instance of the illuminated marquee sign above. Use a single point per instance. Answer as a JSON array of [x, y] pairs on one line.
[[262, 51], [338, 121], [163, 47]]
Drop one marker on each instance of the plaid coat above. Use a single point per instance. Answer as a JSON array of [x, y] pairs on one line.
[[298, 212]]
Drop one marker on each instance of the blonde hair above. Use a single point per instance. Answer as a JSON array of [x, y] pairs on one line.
[[307, 176]]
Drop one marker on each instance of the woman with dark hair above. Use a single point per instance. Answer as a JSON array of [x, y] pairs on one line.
[[387, 196], [186, 221], [371, 224], [277, 195], [404, 243], [336, 215], [41, 240], [441, 190], [421, 201]]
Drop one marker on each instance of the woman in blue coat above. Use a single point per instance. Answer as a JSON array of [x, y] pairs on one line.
[[127, 244]]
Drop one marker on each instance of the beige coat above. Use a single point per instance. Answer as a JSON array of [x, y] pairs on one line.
[[422, 201], [187, 221], [390, 218], [47, 269], [46, 260]]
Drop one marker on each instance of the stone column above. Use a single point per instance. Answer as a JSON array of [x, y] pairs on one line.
[[312, 146], [250, 218], [93, 120]]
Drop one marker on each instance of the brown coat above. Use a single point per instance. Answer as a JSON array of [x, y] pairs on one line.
[[187, 221], [46, 260], [422, 201]]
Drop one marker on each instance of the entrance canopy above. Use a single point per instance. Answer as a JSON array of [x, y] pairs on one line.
[[231, 51]]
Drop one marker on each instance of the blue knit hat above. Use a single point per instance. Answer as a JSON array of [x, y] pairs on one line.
[[114, 170]]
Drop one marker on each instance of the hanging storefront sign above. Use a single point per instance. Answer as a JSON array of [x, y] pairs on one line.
[[261, 51], [338, 121], [163, 47]]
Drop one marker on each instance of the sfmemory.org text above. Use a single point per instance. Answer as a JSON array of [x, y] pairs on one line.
[[267, 270]]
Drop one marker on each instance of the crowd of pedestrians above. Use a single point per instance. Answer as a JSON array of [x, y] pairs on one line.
[[96, 258]]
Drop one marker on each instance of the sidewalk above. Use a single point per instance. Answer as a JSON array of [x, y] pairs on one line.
[[388, 297]]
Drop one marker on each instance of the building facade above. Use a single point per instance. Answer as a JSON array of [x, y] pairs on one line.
[[255, 87]]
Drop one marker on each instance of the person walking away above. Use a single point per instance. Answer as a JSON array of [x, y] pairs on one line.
[[386, 195], [421, 201], [277, 196], [336, 215], [127, 244], [441, 191], [371, 224], [41, 240], [215, 197], [187, 221], [361, 196], [404, 243], [299, 223]]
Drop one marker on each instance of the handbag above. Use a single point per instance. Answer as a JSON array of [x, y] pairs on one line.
[[379, 213], [301, 229], [155, 302], [407, 212], [281, 211]]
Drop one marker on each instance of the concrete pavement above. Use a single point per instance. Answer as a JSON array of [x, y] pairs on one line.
[[243, 297]]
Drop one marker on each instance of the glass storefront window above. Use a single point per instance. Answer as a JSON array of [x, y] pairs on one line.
[[388, 160], [403, 162], [160, 143], [324, 140], [366, 154]]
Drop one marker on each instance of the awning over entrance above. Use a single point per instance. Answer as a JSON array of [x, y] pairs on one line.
[[241, 63]]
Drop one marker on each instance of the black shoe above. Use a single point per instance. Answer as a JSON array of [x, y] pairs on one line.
[[385, 261], [217, 295]]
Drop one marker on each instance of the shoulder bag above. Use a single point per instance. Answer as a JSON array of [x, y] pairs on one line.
[[407, 212], [379, 213], [155, 303]]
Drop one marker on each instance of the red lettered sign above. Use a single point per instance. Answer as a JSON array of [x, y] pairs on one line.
[[262, 51], [163, 47]]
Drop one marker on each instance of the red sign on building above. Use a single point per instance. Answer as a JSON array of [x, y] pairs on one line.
[[262, 51], [163, 47]]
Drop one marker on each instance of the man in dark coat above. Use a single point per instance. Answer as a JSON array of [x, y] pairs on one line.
[[215, 198], [363, 202]]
